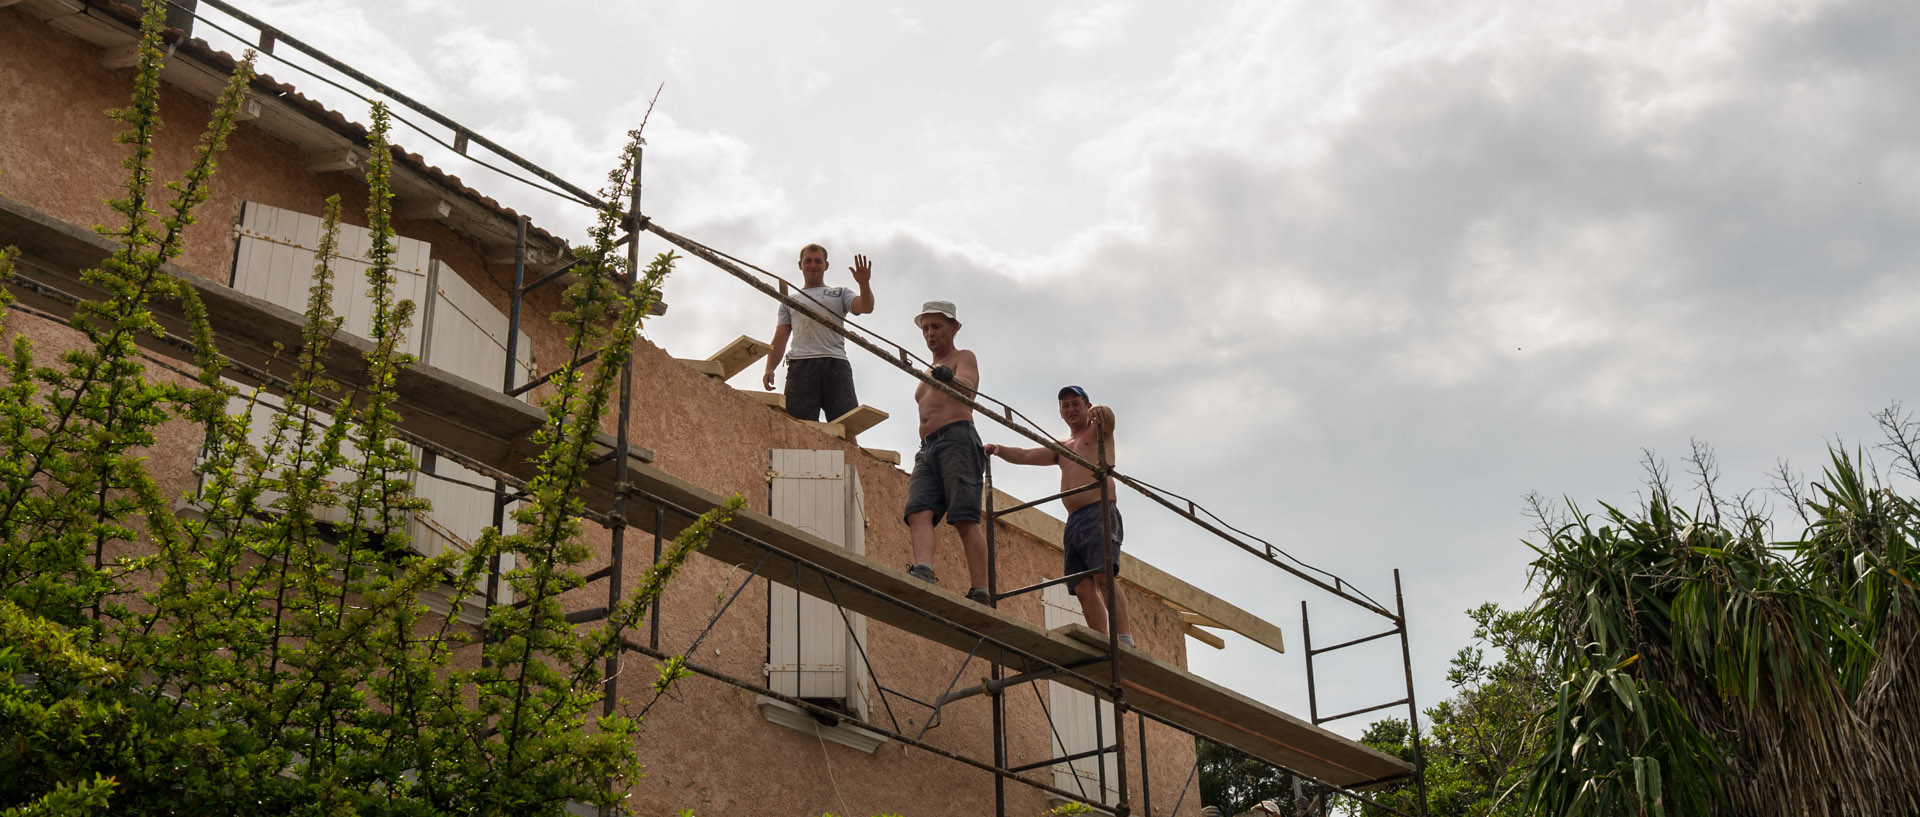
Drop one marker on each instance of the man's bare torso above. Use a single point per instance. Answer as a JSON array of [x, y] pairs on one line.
[[936, 408], [1086, 443]]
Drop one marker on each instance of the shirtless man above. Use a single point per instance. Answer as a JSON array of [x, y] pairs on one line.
[[946, 471], [1089, 428]]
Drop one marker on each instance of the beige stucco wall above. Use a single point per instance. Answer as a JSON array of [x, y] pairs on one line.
[[707, 747]]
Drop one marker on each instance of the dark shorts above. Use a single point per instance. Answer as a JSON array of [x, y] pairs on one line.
[[946, 475], [817, 383], [1082, 539]]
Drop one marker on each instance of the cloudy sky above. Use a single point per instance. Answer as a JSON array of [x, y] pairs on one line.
[[1357, 276]]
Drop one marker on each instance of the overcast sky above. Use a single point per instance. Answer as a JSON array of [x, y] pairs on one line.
[[1356, 275]]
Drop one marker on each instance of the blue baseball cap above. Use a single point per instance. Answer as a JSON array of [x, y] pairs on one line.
[[1066, 390]]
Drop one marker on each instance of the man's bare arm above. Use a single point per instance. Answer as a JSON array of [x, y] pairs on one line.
[[1022, 456], [779, 350], [862, 275], [966, 373]]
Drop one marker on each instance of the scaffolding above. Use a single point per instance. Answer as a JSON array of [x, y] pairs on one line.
[[626, 491]]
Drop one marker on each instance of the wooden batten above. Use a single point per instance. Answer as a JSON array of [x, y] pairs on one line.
[[882, 455], [1205, 637]]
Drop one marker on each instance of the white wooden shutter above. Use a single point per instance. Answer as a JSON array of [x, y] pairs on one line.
[[466, 336], [274, 261], [1073, 715], [811, 650]]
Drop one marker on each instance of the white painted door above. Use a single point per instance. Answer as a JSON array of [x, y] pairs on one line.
[[1074, 721]]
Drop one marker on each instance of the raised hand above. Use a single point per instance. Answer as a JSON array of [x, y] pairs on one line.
[[862, 269]]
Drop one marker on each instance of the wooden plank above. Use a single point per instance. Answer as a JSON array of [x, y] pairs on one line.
[[735, 357], [486, 426], [770, 399], [860, 419], [882, 454], [1153, 580], [706, 367]]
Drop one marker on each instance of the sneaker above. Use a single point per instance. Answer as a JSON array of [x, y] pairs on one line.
[[923, 573], [980, 595], [1127, 639]]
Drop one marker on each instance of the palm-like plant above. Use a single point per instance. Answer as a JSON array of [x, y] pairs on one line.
[[1710, 670]]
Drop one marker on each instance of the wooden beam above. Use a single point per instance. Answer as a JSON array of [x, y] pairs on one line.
[[343, 160], [735, 357], [706, 367], [1198, 620], [6, 3], [116, 57], [1205, 637], [49, 10], [883, 455], [770, 399], [860, 419], [423, 208], [834, 430]]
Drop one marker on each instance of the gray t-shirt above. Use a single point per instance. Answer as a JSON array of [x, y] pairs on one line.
[[809, 338]]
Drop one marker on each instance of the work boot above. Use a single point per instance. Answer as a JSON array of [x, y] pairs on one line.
[[980, 595], [923, 573]]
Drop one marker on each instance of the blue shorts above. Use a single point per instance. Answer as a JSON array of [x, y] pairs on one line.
[[946, 474], [1082, 540]]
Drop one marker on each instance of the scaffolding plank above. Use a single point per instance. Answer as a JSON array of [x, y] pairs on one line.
[[487, 426]]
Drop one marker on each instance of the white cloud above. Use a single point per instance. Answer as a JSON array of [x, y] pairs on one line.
[[1086, 29]]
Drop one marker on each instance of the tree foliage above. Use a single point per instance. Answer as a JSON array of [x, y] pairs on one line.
[[1481, 744], [232, 652], [1707, 669], [1235, 782]]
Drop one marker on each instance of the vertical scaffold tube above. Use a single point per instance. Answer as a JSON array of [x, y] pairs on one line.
[[999, 700], [617, 559], [1120, 809], [1413, 709], [507, 383]]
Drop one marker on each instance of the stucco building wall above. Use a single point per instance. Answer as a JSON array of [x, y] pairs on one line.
[[707, 746]]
